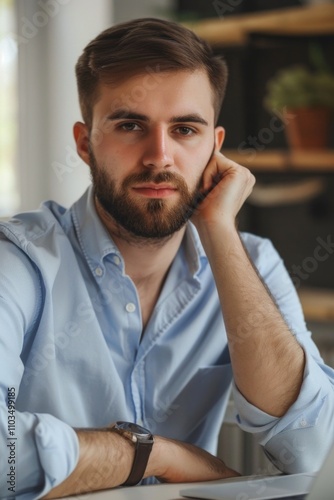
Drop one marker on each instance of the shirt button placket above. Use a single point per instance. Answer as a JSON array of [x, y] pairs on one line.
[[137, 384]]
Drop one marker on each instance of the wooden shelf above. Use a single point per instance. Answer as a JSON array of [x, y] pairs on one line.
[[284, 161], [318, 304], [235, 30]]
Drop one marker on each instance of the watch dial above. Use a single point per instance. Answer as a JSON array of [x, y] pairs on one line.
[[135, 428]]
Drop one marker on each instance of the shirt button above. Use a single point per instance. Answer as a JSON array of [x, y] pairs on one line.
[[130, 307], [303, 422], [116, 260], [98, 271]]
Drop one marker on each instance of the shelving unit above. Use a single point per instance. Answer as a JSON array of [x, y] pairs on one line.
[[283, 160], [318, 304], [234, 30]]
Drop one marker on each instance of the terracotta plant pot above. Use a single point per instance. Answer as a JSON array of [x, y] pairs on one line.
[[309, 128]]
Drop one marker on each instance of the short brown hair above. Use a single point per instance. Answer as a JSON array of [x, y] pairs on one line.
[[132, 47]]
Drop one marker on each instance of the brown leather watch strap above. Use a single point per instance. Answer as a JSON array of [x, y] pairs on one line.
[[142, 453]]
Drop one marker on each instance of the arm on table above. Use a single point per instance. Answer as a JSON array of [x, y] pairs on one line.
[[106, 459]]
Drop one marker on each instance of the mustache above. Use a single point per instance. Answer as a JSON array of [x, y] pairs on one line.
[[174, 179]]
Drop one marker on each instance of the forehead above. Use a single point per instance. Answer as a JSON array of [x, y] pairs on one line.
[[159, 94]]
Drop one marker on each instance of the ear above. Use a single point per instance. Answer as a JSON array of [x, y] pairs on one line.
[[81, 137], [219, 137]]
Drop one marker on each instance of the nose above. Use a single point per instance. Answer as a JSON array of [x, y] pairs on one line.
[[158, 150]]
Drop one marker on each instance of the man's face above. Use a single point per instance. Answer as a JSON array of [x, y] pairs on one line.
[[148, 148]]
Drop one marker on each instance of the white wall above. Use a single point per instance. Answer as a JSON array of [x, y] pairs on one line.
[[51, 35]]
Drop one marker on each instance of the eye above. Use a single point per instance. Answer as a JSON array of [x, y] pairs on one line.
[[186, 131], [129, 126]]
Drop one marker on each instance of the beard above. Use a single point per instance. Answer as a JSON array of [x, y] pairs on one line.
[[153, 219]]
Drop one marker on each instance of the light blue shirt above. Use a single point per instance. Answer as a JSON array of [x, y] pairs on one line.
[[71, 348]]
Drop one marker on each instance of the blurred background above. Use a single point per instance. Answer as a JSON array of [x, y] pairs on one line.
[[280, 55]]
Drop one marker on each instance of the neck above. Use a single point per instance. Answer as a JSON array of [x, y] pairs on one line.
[[146, 259]]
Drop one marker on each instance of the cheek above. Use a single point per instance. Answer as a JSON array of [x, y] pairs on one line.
[[194, 165], [109, 155], [113, 149], [192, 177]]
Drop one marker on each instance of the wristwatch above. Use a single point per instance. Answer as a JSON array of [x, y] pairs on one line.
[[143, 440]]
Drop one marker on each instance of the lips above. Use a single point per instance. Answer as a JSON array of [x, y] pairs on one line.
[[161, 185], [152, 190]]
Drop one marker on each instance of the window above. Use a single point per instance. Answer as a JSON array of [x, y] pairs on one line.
[[9, 194]]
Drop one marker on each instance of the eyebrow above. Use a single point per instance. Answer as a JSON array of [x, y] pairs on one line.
[[192, 118], [130, 115]]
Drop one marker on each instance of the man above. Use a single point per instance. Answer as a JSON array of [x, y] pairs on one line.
[[121, 309]]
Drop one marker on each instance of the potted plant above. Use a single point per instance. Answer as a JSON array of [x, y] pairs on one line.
[[307, 96]]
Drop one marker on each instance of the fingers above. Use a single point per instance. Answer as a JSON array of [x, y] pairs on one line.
[[225, 186], [219, 167]]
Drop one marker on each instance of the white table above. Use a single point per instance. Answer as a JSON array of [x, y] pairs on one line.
[[262, 486], [152, 492]]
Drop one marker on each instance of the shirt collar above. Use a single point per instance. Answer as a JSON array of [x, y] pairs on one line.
[[96, 243], [194, 251]]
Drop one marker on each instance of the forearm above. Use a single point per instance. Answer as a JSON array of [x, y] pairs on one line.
[[104, 462], [106, 459], [267, 360]]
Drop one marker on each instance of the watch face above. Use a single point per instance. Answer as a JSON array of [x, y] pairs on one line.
[[133, 428]]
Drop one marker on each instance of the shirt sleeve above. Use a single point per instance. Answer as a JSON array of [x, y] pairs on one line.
[[299, 440], [37, 451]]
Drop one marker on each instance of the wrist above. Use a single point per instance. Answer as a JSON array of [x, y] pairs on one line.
[[123, 456], [217, 234], [213, 222], [157, 462], [142, 440]]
